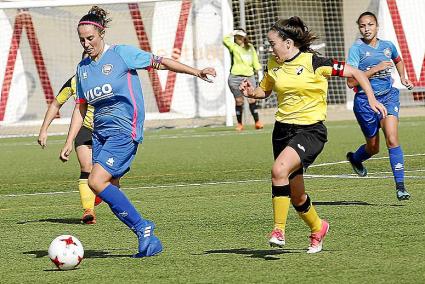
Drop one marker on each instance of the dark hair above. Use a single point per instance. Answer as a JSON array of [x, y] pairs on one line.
[[367, 13], [97, 15], [246, 40], [295, 29]]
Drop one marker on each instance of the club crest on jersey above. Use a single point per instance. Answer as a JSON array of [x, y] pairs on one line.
[[387, 52], [299, 70], [107, 69]]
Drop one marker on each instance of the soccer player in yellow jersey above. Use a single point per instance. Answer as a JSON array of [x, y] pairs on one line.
[[300, 80], [83, 146], [244, 64]]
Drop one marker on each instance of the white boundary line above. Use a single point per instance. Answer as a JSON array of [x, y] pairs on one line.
[[308, 176]]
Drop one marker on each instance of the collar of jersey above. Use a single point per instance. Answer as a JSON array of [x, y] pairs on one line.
[[374, 47], [293, 58], [105, 48]]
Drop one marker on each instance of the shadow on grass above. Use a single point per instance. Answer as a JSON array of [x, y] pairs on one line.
[[352, 203], [256, 253], [52, 220], [87, 254]]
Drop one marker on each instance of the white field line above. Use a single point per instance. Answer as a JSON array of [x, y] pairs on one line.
[[312, 176]]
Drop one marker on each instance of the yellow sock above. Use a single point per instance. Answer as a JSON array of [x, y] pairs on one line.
[[280, 211], [86, 194], [308, 213], [280, 200]]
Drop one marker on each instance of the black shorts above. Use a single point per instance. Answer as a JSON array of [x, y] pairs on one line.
[[83, 137], [307, 140]]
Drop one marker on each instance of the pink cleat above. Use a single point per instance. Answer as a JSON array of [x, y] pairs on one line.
[[316, 239], [277, 238]]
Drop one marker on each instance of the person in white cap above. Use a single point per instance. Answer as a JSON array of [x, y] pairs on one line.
[[244, 65]]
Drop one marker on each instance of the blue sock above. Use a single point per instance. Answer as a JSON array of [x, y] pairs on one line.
[[361, 155], [122, 207], [397, 163]]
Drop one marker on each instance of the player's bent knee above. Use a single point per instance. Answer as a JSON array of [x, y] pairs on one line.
[[279, 172]]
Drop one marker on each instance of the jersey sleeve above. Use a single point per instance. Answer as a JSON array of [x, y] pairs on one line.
[[136, 58], [267, 83], [327, 66], [395, 56], [66, 91], [80, 94], [353, 57]]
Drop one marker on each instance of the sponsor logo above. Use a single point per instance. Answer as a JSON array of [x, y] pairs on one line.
[[110, 162], [98, 92], [396, 109], [107, 69], [123, 214], [299, 70], [387, 52], [275, 69], [301, 147], [147, 231], [85, 75], [367, 54]]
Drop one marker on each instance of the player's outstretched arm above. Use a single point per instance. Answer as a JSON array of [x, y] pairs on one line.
[[352, 82], [173, 65], [76, 122], [48, 118], [365, 84]]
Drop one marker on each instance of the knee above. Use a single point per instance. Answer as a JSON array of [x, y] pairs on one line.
[[239, 101], [96, 184], [279, 172], [392, 141]]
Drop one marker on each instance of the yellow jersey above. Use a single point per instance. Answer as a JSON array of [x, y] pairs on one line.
[[244, 60], [69, 89], [301, 86]]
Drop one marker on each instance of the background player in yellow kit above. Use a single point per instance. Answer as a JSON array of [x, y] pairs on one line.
[[83, 147], [300, 80]]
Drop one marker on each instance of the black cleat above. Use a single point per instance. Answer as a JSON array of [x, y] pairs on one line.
[[358, 168]]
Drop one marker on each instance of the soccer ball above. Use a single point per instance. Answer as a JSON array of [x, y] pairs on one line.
[[66, 252]]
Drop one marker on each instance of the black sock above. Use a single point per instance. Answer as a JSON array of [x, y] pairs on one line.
[[239, 110], [254, 112]]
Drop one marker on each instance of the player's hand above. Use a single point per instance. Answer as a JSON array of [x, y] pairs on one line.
[[66, 151], [407, 83], [42, 139], [247, 89], [205, 72], [384, 65], [378, 107]]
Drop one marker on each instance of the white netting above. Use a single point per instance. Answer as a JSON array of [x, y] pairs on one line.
[[39, 50], [334, 22]]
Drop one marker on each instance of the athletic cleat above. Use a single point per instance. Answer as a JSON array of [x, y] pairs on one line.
[[149, 245], [89, 218], [277, 238], [239, 127], [97, 200], [259, 125], [358, 167], [316, 239], [402, 194]]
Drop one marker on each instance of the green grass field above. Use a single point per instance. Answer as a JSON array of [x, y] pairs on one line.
[[208, 191]]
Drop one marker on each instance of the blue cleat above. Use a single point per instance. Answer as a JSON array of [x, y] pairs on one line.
[[401, 192], [358, 167], [149, 245]]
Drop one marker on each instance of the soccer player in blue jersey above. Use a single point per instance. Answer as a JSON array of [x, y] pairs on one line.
[[376, 58], [108, 81]]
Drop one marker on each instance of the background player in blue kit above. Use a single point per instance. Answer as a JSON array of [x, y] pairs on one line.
[[108, 81], [376, 58]]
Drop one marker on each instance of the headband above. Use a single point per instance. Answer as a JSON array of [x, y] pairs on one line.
[[91, 23], [283, 33]]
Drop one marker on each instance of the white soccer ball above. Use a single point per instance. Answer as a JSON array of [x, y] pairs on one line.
[[66, 252]]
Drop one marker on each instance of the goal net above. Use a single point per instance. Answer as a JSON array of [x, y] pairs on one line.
[[401, 21], [40, 49]]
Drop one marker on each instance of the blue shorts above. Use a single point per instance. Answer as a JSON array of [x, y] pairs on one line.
[[114, 152], [368, 120]]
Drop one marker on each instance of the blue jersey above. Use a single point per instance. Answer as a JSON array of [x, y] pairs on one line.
[[112, 86], [364, 57]]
